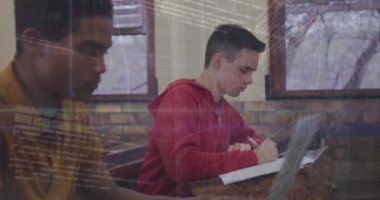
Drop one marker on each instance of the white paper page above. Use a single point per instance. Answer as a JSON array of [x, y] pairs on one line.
[[259, 170]]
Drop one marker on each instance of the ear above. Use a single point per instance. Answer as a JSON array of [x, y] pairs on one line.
[[216, 60], [31, 39]]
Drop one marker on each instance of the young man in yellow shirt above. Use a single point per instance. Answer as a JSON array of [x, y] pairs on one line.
[[48, 150]]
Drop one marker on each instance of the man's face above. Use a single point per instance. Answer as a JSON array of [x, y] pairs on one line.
[[71, 68], [234, 77]]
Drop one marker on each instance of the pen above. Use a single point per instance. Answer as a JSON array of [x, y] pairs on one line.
[[252, 141]]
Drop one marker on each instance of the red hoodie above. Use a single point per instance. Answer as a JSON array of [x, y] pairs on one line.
[[188, 141]]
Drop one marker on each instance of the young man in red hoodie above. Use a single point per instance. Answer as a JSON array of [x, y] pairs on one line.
[[48, 149], [196, 133]]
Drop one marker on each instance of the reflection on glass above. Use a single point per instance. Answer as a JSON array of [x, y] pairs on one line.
[[127, 66], [332, 47]]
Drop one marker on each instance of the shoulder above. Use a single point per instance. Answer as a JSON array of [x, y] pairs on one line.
[[182, 92], [179, 96], [183, 89], [186, 87]]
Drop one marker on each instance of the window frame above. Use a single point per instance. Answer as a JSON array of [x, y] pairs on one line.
[[147, 29]]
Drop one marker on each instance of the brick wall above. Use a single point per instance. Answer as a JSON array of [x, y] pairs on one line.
[[121, 125], [353, 159]]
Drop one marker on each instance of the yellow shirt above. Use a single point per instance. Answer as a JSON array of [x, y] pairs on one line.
[[42, 155]]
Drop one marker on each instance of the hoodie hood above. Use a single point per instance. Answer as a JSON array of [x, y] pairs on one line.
[[155, 104]]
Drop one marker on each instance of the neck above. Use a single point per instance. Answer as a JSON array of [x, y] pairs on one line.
[[208, 81], [39, 96]]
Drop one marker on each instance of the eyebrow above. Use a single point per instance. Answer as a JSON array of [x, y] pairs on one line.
[[249, 68], [96, 45]]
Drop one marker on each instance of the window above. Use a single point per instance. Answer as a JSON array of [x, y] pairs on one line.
[[130, 61], [324, 48]]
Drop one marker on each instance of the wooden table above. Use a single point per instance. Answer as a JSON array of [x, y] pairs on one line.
[[256, 188], [313, 182]]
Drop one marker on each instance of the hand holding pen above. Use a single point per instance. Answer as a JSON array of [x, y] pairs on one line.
[[250, 145], [266, 151]]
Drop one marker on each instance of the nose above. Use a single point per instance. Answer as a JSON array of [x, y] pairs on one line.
[[100, 66]]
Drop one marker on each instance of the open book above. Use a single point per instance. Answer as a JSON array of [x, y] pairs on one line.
[[268, 168]]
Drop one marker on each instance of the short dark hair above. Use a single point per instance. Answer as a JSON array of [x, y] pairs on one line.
[[231, 38], [56, 18]]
